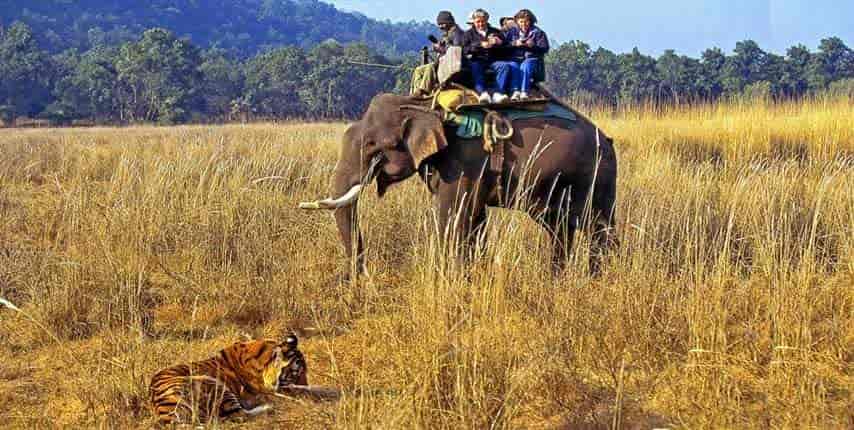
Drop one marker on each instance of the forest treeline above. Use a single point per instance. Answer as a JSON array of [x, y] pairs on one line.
[[160, 77], [240, 27]]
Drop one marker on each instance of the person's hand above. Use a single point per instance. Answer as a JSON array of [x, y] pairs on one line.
[[518, 42], [529, 44], [485, 45]]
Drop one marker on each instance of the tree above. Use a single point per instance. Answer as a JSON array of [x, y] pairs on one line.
[[274, 81], [160, 78], [606, 76], [773, 71], [241, 27], [834, 61], [677, 76], [743, 68], [26, 73], [794, 77], [569, 69], [710, 75], [222, 83], [336, 88], [90, 87], [640, 78]]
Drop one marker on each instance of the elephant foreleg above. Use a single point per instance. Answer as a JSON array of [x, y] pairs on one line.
[[348, 229], [461, 213]]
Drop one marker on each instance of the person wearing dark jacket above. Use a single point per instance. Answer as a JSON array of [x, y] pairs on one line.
[[482, 46], [506, 23], [425, 78], [528, 45], [452, 35]]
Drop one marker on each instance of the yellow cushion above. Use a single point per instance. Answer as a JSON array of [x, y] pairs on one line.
[[451, 99]]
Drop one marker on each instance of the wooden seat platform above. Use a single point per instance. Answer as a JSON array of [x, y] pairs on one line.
[[532, 103]]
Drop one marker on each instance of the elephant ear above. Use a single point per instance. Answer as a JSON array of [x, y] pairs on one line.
[[424, 135]]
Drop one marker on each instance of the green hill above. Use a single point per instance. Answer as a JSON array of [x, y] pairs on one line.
[[243, 27]]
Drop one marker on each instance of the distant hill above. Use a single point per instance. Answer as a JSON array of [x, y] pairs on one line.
[[243, 27]]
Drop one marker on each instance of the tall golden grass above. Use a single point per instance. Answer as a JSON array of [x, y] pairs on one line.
[[727, 305]]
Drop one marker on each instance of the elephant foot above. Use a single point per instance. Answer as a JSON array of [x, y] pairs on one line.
[[595, 264], [340, 279], [347, 276], [558, 267]]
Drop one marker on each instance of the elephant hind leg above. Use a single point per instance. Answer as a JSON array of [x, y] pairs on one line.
[[560, 220], [603, 223], [561, 226]]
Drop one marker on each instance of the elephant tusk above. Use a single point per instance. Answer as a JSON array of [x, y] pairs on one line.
[[350, 196], [343, 201]]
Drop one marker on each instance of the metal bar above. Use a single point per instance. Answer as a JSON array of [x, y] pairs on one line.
[[385, 66]]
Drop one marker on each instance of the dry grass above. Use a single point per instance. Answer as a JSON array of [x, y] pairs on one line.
[[728, 305]]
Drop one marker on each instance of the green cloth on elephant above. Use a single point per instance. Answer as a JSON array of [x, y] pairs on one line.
[[470, 122], [469, 125]]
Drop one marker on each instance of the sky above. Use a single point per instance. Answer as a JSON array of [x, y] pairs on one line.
[[688, 26]]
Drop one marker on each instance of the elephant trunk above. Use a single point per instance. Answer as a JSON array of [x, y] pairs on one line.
[[348, 186], [347, 220]]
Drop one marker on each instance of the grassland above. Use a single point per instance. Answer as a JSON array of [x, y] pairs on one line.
[[727, 305]]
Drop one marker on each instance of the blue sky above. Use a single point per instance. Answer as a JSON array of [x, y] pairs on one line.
[[688, 26]]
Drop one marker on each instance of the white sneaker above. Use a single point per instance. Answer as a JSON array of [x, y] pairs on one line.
[[516, 95], [499, 98], [483, 97], [523, 96]]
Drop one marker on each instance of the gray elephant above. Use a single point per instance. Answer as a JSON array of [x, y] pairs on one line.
[[557, 162]]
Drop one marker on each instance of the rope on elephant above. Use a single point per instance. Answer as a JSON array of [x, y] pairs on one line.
[[493, 143], [492, 124]]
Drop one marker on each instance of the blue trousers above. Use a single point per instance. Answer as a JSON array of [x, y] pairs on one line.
[[503, 75], [523, 74]]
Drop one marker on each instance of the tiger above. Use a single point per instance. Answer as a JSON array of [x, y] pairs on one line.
[[232, 384]]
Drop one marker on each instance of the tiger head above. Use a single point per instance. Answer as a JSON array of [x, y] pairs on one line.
[[270, 365], [292, 369]]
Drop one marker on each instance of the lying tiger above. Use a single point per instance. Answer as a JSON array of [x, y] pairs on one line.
[[232, 384]]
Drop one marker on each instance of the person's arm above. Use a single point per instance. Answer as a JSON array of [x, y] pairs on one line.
[[458, 38], [512, 37], [539, 44], [495, 34], [471, 44], [439, 47]]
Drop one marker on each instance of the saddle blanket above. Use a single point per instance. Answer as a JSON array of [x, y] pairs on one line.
[[470, 122]]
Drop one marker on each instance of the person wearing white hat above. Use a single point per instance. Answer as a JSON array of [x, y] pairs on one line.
[[481, 45]]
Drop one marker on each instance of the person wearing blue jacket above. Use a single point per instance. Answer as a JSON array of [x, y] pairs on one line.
[[528, 46]]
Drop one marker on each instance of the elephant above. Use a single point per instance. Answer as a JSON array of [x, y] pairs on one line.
[[399, 136]]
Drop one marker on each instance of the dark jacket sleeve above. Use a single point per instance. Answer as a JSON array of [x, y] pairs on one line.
[[541, 43], [457, 38], [511, 35], [471, 43], [496, 32]]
